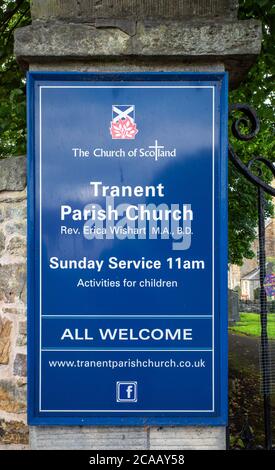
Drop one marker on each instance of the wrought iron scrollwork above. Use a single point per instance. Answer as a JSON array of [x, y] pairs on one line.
[[251, 122]]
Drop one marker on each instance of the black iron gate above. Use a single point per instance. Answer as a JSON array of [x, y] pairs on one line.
[[253, 173]]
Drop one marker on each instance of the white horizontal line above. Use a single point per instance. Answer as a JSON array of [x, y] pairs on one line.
[[127, 316], [120, 86], [127, 411], [126, 350]]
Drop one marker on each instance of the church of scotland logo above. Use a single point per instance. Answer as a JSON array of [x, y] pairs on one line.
[[123, 124]]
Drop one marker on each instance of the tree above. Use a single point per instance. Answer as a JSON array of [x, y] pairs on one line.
[[256, 90], [13, 14]]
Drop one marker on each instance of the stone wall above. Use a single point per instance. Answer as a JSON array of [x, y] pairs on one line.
[[255, 307], [13, 428], [88, 10]]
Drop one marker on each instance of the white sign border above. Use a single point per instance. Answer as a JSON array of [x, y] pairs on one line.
[[40, 251]]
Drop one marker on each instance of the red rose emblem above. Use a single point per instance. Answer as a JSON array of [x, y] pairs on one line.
[[123, 129]]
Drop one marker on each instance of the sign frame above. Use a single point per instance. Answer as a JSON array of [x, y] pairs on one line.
[[220, 419]]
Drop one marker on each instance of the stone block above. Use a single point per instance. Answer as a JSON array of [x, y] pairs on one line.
[[188, 438], [5, 340], [16, 228], [12, 281], [2, 242], [22, 334], [12, 396], [233, 306], [236, 44], [16, 211], [17, 246], [88, 10], [20, 365], [13, 432], [89, 438], [13, 174]]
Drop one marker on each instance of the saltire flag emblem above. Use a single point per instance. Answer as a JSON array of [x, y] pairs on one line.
[[123, 124]]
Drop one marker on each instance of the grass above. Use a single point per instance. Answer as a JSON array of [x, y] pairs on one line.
[[249, 325]]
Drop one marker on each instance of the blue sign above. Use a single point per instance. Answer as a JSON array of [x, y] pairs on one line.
[[127, 248]]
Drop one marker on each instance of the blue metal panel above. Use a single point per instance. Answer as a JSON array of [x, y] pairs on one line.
[[127, 248]]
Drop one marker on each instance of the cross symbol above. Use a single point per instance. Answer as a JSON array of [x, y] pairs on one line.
[[156, 147]]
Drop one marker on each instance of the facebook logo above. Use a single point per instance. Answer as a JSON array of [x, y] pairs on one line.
[[126, 392]]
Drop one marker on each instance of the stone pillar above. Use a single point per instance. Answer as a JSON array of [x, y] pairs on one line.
[[136, 35]]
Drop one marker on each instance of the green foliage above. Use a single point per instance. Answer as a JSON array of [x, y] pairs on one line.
[[250, 325], [256, 90], [12, 80]]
